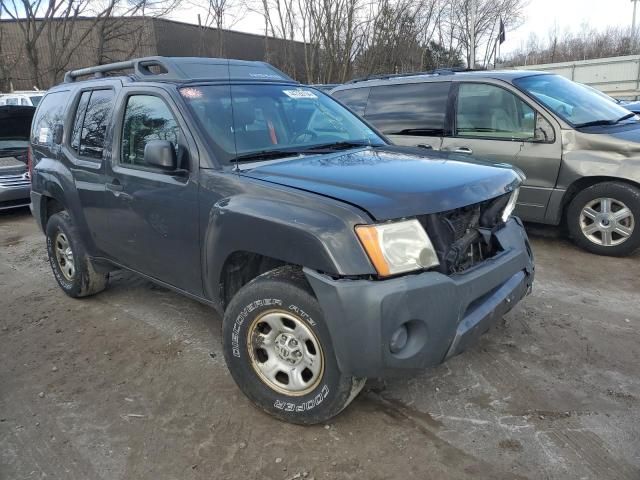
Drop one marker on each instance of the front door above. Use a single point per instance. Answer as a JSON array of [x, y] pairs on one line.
[[495, 124], [153, 216]]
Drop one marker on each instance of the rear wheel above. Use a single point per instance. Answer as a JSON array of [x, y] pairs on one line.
[[603, 219], [279, 351], [69, 262]]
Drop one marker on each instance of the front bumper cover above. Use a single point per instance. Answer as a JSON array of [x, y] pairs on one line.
[[443, 314]]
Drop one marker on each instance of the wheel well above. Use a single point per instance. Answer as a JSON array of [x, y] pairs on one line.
[[51, 207], [240, 268], [586, 182]]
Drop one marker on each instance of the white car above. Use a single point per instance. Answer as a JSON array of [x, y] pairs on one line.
[[28, 98]]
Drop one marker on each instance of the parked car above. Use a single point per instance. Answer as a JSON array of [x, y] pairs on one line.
[[579, 152], [325, 87], [332, 255], [15, 125], [23, 98]]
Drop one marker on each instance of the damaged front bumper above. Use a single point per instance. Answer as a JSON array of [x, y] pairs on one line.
[[441, 314]]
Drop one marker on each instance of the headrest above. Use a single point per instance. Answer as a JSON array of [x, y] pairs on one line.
[[244, 113]]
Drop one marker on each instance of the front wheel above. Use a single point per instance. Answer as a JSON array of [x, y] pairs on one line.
[[603, 219], [279, 351]]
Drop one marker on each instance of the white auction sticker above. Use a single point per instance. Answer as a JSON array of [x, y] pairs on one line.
[[44, 135], [299, 94]]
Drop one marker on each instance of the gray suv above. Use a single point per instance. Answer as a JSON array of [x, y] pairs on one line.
[[579, 151]]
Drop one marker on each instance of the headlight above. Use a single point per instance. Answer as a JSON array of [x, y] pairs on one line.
[[511, 205], [397, 247]]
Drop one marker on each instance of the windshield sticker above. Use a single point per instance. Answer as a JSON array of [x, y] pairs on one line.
[[43, 137], [299, 94]]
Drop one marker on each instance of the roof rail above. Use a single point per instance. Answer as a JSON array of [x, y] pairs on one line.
[[181, 69], [437, 71]]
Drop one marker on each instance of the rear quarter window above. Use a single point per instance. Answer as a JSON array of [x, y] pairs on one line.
[[409, 109], [50, 113]]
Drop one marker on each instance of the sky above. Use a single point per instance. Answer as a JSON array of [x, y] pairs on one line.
[[540, 16]]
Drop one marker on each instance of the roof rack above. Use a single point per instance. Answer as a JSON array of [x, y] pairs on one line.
[[437, 71], [183, 69]]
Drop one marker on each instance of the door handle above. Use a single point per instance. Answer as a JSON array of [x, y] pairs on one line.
[[424, 145], [114, 187], [466, 150], [117, 189]]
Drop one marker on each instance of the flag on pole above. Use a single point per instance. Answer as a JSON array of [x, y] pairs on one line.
[[502, 35]]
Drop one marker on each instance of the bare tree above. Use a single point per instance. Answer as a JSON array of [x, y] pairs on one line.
[[588, 43], [488, 14], [221, 15]]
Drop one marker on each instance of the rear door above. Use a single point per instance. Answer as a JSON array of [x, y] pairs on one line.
[[493, 123], [410, 114], [91, 115], [153, 214]]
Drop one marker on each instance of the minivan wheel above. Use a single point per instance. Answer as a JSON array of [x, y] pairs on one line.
[[279, 351], [69, 262], [603, 219]]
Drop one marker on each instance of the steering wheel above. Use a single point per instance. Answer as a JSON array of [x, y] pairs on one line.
[[301, 136]]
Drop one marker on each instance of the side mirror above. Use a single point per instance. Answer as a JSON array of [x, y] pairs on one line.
[[543, 130], [160, 154]]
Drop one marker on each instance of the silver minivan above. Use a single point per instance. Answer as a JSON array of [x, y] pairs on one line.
[[579, 151]]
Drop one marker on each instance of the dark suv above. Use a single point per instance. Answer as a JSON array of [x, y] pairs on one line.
[[332, 255]]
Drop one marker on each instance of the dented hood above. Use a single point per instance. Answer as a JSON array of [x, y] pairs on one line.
[[392, 182]]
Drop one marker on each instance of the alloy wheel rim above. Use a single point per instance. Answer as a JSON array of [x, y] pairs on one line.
[[64, 256], [285, 353], [607, 222]]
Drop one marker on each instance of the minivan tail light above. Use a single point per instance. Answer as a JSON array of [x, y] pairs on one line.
[[30, 163]]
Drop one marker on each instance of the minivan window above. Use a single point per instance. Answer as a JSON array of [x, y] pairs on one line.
[[489, 111], [146, 118], [50, 113], [575, 104], [354, 98], [409, 109]]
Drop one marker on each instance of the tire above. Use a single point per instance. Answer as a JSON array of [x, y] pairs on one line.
[[605, 219], [266, 309], [68, 258]]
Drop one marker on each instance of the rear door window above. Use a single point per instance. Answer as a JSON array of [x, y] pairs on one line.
[[409, 109], [354, 98], [94, 127]]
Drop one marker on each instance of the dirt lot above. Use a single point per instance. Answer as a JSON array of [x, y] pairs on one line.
[[131, 384]]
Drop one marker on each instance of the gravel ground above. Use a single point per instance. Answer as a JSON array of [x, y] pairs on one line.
[[131, 384]]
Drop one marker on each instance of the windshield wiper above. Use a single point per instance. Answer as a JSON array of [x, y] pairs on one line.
[[337, 146], [628, 115], [595, 123], [266, 155]]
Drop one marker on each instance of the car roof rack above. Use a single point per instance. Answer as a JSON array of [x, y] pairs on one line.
[[437, 71], [184, 69]]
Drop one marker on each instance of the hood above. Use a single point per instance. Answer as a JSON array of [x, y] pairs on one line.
[[392, 182], [15, 122]]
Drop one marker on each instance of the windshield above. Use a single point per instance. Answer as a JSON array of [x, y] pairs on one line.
[[571, 101], [253, 120]]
